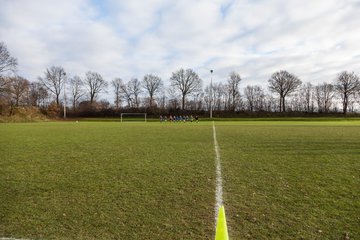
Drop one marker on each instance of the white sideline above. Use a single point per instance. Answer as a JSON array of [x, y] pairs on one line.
[[218, 186]]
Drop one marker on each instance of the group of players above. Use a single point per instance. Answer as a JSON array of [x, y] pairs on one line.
[[179, 118]]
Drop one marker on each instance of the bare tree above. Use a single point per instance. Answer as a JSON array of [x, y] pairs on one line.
[[152, 85], [324, 94], [249, 93], [218, 92], [8, 64], [208, 97], [134, 88], [283, 83], [347, 84], [127, 94], [5, 94], [271, 104], [307, 97], [54, 81], [19, 90], [255, 98], [37, 94], [76, 88], [5, 83], [187, 82], [103, 104], [259, 104], [117, 83], [195, 104], [95, 84], [162, 100], [173, 99], [233, 83], [294, 103], [131, 92], [219, 96]]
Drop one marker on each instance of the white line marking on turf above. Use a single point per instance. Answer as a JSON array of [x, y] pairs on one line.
[[218, 186]]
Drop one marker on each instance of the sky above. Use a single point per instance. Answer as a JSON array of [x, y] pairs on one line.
[[313, 39]]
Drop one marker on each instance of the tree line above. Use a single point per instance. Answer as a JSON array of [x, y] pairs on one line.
[[285, 93]]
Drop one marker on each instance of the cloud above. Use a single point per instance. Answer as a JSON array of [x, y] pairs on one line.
[[312, 39]]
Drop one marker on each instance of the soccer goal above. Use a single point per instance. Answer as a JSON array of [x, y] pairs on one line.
[[133, 117]]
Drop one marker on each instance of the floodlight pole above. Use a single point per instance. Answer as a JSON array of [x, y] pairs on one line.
[[211, 108], [64, 74]]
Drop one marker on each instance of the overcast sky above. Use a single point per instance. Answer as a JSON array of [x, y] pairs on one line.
[[314, 39]]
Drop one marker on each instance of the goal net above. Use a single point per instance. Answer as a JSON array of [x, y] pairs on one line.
[[133, 117]]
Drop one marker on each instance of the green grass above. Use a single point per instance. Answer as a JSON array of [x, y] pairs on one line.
[[107, 180], [291, 181]]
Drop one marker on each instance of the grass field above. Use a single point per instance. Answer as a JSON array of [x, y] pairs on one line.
[[292, 180], [107, 180]]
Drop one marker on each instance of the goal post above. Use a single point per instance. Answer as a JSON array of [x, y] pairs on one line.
[[134, 116]]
